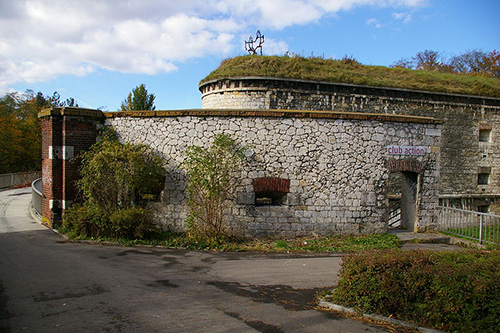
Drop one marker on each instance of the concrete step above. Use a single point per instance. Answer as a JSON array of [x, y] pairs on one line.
[[412, 237]]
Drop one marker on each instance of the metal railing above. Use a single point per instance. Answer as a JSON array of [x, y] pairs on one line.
[[16, 179], [481, 227], [36, 195], [395, 214]]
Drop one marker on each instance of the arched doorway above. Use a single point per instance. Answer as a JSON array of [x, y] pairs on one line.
[[404, 193]]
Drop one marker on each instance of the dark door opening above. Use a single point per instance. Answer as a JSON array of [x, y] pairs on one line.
[[403, 200]]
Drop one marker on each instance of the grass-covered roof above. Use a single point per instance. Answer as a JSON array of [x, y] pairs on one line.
[[351, 72]]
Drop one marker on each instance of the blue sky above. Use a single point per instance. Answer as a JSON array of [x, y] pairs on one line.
[[98, 51]]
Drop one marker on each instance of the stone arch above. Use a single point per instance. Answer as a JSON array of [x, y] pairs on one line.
[[406, 165]]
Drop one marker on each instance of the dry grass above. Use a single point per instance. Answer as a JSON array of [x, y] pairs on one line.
[[294, 245], [352, 72]]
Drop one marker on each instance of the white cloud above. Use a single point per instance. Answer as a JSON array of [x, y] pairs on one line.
[[275, 47], [373, 22], [42, 39], [405, 17], [337, 5]]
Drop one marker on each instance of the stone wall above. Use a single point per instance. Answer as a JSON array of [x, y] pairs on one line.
[[463, 156], [319, 161], [332, 168]]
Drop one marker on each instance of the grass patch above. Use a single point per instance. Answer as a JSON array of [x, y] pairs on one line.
[[352, 72], [296, 245], [450, 291], [490, 234]]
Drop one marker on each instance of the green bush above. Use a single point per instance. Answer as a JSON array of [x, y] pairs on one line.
[[211, 174], [117, 181], [451, 291], [116, 175], [133, 222], [85, 220], [88, 220]]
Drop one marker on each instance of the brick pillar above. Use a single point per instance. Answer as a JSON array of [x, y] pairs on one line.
[[66, 132]]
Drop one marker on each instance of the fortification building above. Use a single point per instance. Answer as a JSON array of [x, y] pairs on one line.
[[325, 158]]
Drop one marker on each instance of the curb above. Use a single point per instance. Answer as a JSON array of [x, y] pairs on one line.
[[466, 243], [34, 214], [38, 218], [340, 308]]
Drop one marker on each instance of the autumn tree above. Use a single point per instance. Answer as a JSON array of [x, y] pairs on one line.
[[427, 60], [139, 99], [20, 130], [20, 133], [492, 61], [470, 62], [404, 63]]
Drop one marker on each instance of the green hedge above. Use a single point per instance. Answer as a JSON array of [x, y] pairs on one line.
[[450, 291], [89, 220]]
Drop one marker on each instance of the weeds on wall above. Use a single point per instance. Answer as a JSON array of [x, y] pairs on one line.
[[116, 182], [211, 179]]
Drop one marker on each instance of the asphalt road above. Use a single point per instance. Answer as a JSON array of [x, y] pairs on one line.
[[50, 285]]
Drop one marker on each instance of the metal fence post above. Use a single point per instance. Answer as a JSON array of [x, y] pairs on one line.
[[480, 229], [464, 223]]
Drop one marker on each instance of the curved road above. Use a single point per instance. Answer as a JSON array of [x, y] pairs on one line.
[[50, 285]]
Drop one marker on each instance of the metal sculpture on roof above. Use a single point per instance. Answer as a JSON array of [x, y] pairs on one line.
[[253, 45]]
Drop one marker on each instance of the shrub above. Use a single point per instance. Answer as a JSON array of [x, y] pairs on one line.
[[451, 291], [211, 179], [133, 222], [83, 220], [116, 175], [116, 182], [88, 220]]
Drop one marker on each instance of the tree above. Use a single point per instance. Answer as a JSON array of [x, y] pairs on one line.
[[404, 63], [20, 129], [55, 101], [428, 60], [493, 64], [211, 178], [20, 133], [470, 62], [139, 99]]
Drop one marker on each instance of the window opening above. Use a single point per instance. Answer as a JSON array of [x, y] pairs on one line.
[[269, 198], [270, 190], [483, 208], [484, 135], [483, 178]]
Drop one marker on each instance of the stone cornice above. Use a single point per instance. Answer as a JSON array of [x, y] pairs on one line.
[[71, 111], [275, 114], [323, 87]]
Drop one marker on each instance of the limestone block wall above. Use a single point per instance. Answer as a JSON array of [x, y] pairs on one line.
[[334, 165], [463, 155]]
